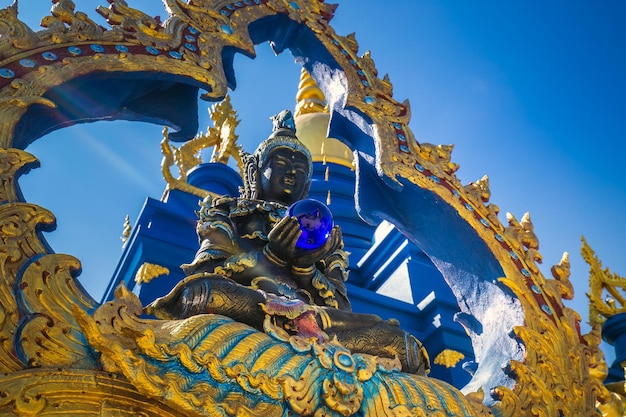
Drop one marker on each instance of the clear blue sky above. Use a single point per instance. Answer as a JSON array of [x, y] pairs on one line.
[[532, 94]]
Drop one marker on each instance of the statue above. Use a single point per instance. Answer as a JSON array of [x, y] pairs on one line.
[[250, 265]]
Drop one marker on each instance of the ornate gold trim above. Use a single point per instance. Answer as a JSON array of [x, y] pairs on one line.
[[148, 271], [75, 392], [448, 358], [605, 288]]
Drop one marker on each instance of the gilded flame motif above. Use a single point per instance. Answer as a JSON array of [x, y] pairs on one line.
[[147, 272], [59, 356], [221, 137], [606, 288], [448, 358]]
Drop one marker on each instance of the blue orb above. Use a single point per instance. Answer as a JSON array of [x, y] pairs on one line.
[[316, 222]]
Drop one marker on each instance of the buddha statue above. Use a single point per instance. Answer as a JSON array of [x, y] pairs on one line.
[[250, 266]]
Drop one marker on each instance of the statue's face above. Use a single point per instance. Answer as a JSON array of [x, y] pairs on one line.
[[284, 176]]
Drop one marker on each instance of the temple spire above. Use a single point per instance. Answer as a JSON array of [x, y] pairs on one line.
[[312, 118], [310, 99]]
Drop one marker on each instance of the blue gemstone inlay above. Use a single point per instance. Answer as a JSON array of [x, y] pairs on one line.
[[226, 29], [456, 194], [152, 50], [435, 178], [360, 72], [190, 46], [485, 223], [404, 148], [295, 5], [238, 4], [546, 309], [225, 12], [365, 83], [336, 42], [353, 62], [345, 360], [257, 1], [193, 30], [74, 50], [419, 167], [6, 73], [343, 51], [230, 7], [97, 48], [369, 99], [525, 272], [247, 2], [49, 56], [121, 48], [401, 137], [499, 238], [535, 289], [397, 125], [469, 207], [513, 255], [190, 38], [176, 54], [27, 63]]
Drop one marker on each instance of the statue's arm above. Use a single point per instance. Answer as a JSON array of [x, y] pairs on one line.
[[216, 234], [335, 269]]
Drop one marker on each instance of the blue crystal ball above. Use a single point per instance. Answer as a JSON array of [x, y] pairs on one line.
[[316, 222]]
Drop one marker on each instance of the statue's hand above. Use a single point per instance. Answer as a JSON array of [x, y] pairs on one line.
[[305, 258], [282, 244], [282, 239]]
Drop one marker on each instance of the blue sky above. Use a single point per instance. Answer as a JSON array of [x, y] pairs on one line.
[[531, 93]]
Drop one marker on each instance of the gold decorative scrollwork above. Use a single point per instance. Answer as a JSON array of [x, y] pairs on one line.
[[11, 162], [557, 361], [79, 26], [147, 272], [18, 225], [52, 337], [606, 288], [141, 28], [75, 392], [16, 35], [448, 358], [221, 136]]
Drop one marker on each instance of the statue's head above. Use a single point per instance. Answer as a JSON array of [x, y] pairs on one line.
[[280, 169]]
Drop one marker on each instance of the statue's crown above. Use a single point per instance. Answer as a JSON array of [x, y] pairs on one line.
[[283, 135]]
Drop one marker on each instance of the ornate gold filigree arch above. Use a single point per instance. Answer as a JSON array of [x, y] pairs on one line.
[[47, 332]]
